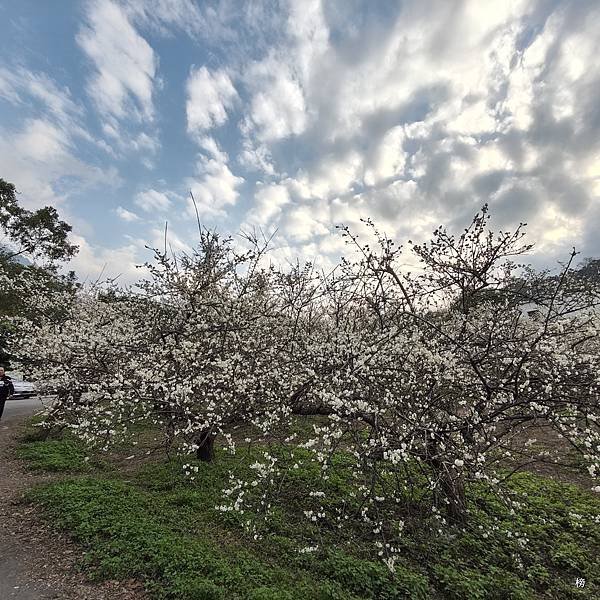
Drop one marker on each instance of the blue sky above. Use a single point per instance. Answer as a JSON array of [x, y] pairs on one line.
[[298, 116]]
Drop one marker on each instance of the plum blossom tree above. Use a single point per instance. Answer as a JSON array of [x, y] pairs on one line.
[[191, 349], [215, 333], [434, 379], [421, 383], [80, 349]]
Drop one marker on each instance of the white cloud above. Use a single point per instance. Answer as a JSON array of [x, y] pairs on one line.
[[256, 157], [334, 174], [215, 188], [309, 34], [37, 157], [42, 141], [126, 215], [389, 157], [162, 15], [125, 66], [41, 154], [278, 108], [152, 200], [94, 262], [120, 142], [144, 142], [209, 96], [456, 104], [174, 241], [300, 224], [58, 102], [39, 93], [8, 89], [279, 82], [269, 201], [210, 145], [413, 113]]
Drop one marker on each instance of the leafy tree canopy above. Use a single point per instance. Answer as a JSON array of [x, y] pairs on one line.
[[31, 235], [39, 234]]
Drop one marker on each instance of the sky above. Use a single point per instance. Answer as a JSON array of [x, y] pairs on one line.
[[296, 116]]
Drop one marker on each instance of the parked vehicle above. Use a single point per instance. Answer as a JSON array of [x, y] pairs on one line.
[[23, 389]]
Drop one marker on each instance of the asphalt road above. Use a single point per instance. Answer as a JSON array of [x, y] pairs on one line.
[[24, 407]]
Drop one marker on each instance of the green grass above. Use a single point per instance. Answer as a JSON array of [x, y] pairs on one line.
[[156, 525], [64, 453], [54, 456]]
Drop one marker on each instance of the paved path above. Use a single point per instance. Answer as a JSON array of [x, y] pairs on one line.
[[37, 563], [18, 408]]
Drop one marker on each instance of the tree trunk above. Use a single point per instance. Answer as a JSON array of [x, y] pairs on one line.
[[453, 491], [206, 445]]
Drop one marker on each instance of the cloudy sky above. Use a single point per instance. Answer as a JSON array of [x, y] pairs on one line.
[[299, 115]]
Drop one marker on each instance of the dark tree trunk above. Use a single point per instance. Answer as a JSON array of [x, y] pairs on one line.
[[206, 445], [453, 491]]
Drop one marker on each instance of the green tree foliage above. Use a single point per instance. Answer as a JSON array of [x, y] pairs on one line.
[[37, 235], [40, 233]]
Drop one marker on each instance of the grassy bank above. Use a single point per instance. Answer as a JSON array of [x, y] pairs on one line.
[[150, 522]]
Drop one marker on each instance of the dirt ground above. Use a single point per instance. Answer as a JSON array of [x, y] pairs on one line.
[[35, 562]]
